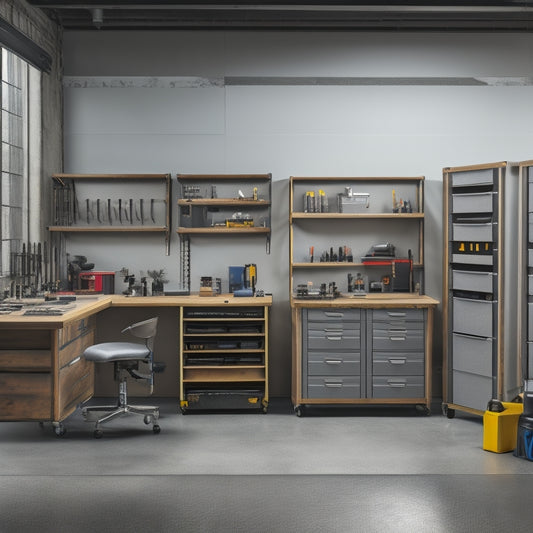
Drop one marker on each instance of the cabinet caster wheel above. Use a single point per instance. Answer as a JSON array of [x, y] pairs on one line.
[[423, 409], [147, 419], [183, 410], [60, 430], [299, 411], [156, 429], [450, 413], [98, 433]]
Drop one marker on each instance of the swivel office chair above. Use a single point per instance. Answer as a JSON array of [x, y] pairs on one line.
[[126, 356]]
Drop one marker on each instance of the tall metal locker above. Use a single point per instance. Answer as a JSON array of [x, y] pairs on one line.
[[480, 292], [526, 268]]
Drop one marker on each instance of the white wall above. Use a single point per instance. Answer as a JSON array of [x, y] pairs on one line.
[[169, 102]]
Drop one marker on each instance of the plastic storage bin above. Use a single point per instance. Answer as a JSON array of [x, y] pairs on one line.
[[500, 424]]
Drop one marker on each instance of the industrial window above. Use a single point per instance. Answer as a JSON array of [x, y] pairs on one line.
[[20, 97]]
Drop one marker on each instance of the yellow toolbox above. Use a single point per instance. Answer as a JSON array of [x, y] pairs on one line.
[[500, 425]]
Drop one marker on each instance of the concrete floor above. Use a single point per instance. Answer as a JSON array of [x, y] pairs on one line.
[[325, 441], [334, 470]]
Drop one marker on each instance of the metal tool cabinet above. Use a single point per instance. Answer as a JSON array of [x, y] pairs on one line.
[[375, 351], [481, 358]]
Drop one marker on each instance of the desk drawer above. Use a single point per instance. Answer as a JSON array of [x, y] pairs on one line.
[[473, 202], [395, 315], [474, 281], [473, 317], [76, 384], [400, 339], [473, 178], [471, 390], [472, 354], [334, 315], [74, 330], [333, 364], [340, 337], [398, 363], [334, 387], [474, 232], [25, 396], [398, 387]]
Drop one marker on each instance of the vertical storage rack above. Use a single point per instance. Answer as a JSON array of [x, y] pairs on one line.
[[526, 268], [480, 284]]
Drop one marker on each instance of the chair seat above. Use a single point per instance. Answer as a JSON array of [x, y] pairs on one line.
[[116, 351]]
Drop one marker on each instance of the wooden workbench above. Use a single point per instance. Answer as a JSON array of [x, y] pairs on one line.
[[42, 374]]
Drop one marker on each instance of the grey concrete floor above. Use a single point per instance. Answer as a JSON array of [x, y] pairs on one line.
[[325, 441]]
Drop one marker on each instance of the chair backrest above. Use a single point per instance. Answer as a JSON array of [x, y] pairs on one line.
[[144, 330]]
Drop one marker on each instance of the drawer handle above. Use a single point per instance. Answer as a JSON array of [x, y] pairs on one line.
[[397, 384], [391, 338], [333, 385], [398, 361], [74, 361], [330, 313], [333, 330], [391, 313], [330, 338], [333, 361]]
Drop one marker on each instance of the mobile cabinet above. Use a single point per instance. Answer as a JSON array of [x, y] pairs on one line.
[[223, 356], [42, 374], [112, 203], [480, 284], [365, 352]]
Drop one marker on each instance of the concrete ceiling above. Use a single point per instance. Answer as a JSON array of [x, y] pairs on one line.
[[295, 15]]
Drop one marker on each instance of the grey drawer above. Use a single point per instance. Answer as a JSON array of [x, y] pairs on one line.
[[530, 360], [398, 387], [472, 202], [474, 281], [471, 390], [473, 317], [530, 195], [333, 364], [397, 339], [530, 227], [398, 364], [473, 178], [334, 314], [333, 339], [473, 232], [470, 259], [393, 315], [472, 354], [530, 321], [530, 258], [336, 388], [530, 285]]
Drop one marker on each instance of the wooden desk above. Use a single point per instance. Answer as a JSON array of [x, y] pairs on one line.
[[42, 374], [375, 349]]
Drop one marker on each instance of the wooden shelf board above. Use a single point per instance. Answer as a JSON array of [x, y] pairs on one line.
[[196, 335], [108, 229], [230, 202], [220, 351], [341, 265], [334, 216], [229, 177], [357, 178], [229, 319], [223, 229], [111, 176]]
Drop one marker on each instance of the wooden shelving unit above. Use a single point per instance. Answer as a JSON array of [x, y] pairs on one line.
[[102, 206], [203, 195], [223, 357], [373, 349], [379, 213]]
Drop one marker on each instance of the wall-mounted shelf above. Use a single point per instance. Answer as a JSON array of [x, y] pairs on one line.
[[224, 204], [112, 203]]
